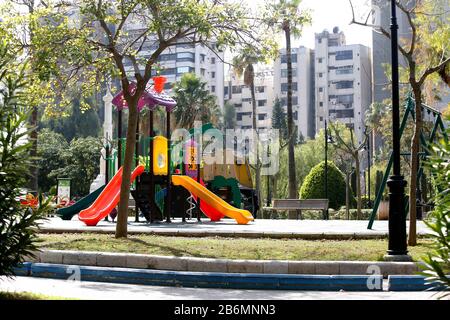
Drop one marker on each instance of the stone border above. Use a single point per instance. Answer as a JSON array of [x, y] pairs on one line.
[[143, 261]]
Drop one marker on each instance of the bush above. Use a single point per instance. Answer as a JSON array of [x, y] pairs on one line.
[[17, 225], [313, 186], [437, 263]]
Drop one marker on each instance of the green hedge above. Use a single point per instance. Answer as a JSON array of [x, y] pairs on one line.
[[314, 185]]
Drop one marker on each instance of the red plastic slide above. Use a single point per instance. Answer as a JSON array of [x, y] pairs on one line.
[[207, 209], [108, 199]]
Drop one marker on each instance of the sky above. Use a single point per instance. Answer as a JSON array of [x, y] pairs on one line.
[[327, 14]]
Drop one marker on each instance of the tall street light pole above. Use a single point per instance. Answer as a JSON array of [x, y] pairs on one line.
[[326, 167], [397, 249]]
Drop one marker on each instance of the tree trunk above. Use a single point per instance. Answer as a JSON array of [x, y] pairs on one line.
[[358, 187], [412, 238], [122, 216], [293, 192], [258, 162], [347, 195]]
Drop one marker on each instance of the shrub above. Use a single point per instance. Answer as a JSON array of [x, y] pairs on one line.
[[313, 186], [17, 224], [437, 263]]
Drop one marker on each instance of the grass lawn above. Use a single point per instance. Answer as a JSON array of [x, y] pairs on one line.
[[27, 296], [230, 248]]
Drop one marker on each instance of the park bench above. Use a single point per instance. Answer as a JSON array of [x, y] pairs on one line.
[[299, 204]]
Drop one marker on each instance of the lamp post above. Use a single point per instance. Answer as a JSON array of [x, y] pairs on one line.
[[397, 249], [328, 139]]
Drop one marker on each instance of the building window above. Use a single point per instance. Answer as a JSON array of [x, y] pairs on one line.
[[262, 116], [202, 57], [293, 58], [262, 103], [202, 71], [295, 115], [319, 41], [320, 104], [167, 57], [320, 89], [213, 88], [339, 114], [213, 74], [344, 85], [283, 101], [236, 89], [213, 60], [259, 89], [344, 70], [344, 55], [284, 72], [185, 56], [168, 71], [239, 117], [320, 60], [182, 70], [284, 87], [320, 119], [225, 91], [320, 74], [238, 105]]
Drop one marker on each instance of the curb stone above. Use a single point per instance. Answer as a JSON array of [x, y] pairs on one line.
[[143, 261]]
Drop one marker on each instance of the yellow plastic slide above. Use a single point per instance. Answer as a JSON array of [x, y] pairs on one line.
[[241, 216]]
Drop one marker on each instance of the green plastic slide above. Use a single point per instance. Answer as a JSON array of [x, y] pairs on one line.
[[67, 213]]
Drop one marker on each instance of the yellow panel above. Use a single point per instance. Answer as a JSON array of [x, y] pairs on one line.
[[160, 165]]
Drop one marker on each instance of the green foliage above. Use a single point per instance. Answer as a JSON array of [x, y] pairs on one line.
[[50, 148], [229, 117], [78, 123], [313, 186], [17, 224], [279, 118], [437, 263], [81, 164], [194, 102]]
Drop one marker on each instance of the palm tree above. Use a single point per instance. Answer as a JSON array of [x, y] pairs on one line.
[[243, 64], [374, 115], [194, 102], [285, 16]]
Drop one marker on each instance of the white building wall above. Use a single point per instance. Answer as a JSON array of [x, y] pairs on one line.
[[239, 95], [343, 82], [302, 82]]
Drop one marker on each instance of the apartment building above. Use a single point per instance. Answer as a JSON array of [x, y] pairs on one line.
[[239, 95], [205, 61], [302, 87], [342, 81]]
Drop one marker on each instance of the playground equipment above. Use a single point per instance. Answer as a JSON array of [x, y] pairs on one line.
[[425, 142], [158, 187], [66, 213]]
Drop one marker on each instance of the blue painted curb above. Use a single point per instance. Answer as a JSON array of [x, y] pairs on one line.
[[207, 279], [23, 269], [410, 283]]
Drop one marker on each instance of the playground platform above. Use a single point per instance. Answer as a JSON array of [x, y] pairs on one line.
[[300, 229]]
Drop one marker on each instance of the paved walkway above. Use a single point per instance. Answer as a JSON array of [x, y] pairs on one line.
[[112, 291], [228, 227]]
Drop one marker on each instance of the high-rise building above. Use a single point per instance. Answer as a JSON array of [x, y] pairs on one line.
[[302, 88], [342, 81], [185, 58], [239, 95]]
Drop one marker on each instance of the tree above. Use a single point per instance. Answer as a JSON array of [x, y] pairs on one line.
[[229, 117], [345, 142], [426, 53], [104, 28], [314, 185], [286, 16], [194, 102], [279, 118], [50, 146], [374, 115], [244, 65], [80, 164], [17, 225]]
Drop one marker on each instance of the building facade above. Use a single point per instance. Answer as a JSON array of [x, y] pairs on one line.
[[205, 61], [239, 95], [302, 87], [342, 81]]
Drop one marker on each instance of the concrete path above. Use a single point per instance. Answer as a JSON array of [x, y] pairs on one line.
[[306, 229], [110, 291]]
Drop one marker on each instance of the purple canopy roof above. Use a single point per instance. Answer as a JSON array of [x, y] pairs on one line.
[[149, 98]]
